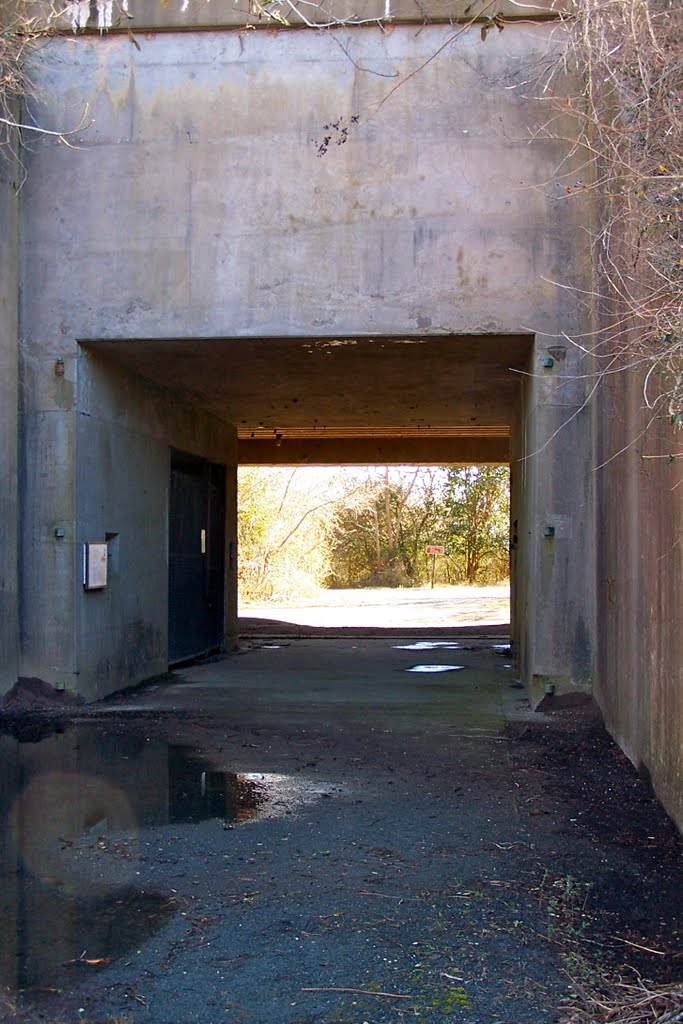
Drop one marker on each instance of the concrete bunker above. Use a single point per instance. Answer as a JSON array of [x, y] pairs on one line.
[[393, 300], [441, 214]]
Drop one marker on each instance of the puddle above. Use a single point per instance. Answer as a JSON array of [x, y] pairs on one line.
[[59, 937], [427, 645], [434, 668], [69, 900], [75, 806], [198, 792]]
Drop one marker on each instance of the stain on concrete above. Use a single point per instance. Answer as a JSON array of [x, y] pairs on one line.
[[582, 654]]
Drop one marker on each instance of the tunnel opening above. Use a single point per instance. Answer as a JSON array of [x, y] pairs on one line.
[[367, 548], [317, 403]]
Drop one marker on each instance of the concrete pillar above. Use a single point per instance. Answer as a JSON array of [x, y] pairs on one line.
[[50, 570], [9, 329], [517, 466], [231, 584], [555, 600]]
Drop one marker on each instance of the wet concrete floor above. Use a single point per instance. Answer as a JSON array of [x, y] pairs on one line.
[[314, 831]]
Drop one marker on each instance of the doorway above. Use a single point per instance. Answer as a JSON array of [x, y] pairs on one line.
[[196, 557]]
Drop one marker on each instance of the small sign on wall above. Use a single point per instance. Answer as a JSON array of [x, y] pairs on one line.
[[94, 566]]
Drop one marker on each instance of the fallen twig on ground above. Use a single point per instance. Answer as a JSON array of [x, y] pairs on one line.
[[358, 991], [96, 961], [645, 949], [386, 895]]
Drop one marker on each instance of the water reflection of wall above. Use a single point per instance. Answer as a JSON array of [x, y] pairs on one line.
[[71, 808], [9, 783]]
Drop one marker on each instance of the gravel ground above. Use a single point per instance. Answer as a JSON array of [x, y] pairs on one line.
[[383, 607]]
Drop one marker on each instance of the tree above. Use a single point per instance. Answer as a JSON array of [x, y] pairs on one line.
[[477, 512], [379, 537], [282, 534], [22, 27], [286, 522]]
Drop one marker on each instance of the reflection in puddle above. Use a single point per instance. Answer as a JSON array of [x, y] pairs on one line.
[[198, 792], [73, 807], [61, 934], [427, 645], [70, 805], [434, 668]]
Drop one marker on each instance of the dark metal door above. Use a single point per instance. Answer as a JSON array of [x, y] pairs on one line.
[[196, 557]]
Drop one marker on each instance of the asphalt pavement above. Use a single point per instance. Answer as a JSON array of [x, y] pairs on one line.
[[352, 831]]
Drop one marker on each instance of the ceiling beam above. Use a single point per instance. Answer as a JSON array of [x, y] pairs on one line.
[[434, 451]]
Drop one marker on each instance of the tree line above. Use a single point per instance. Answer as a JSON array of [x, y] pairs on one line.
[[302, 529]]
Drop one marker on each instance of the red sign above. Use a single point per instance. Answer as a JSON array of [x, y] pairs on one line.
[[435, 549]]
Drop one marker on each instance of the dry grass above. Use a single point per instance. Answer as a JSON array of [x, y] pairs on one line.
[[626, 1002]]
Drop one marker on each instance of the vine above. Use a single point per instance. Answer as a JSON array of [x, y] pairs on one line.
[[629, 123]]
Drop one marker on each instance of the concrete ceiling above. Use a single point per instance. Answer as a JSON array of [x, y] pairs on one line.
[[348, 399], [303, 388]]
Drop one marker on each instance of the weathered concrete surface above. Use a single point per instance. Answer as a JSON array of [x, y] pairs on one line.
[[198, 207], [552, 530], [639, 683], [112, 455], [9, 397], [124, 429], [427, 385], [203, 209]]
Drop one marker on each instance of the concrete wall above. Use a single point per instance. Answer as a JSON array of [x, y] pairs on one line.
[[124, 427], [111, 450], [198, 205], [9, 391], [640, 572]]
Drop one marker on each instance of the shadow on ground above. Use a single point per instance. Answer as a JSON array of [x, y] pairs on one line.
[[254, 626]]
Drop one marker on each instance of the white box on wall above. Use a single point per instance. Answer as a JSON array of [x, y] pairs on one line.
[[94, 566]]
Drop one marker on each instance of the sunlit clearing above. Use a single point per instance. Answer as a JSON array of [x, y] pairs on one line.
[[306, 531]]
